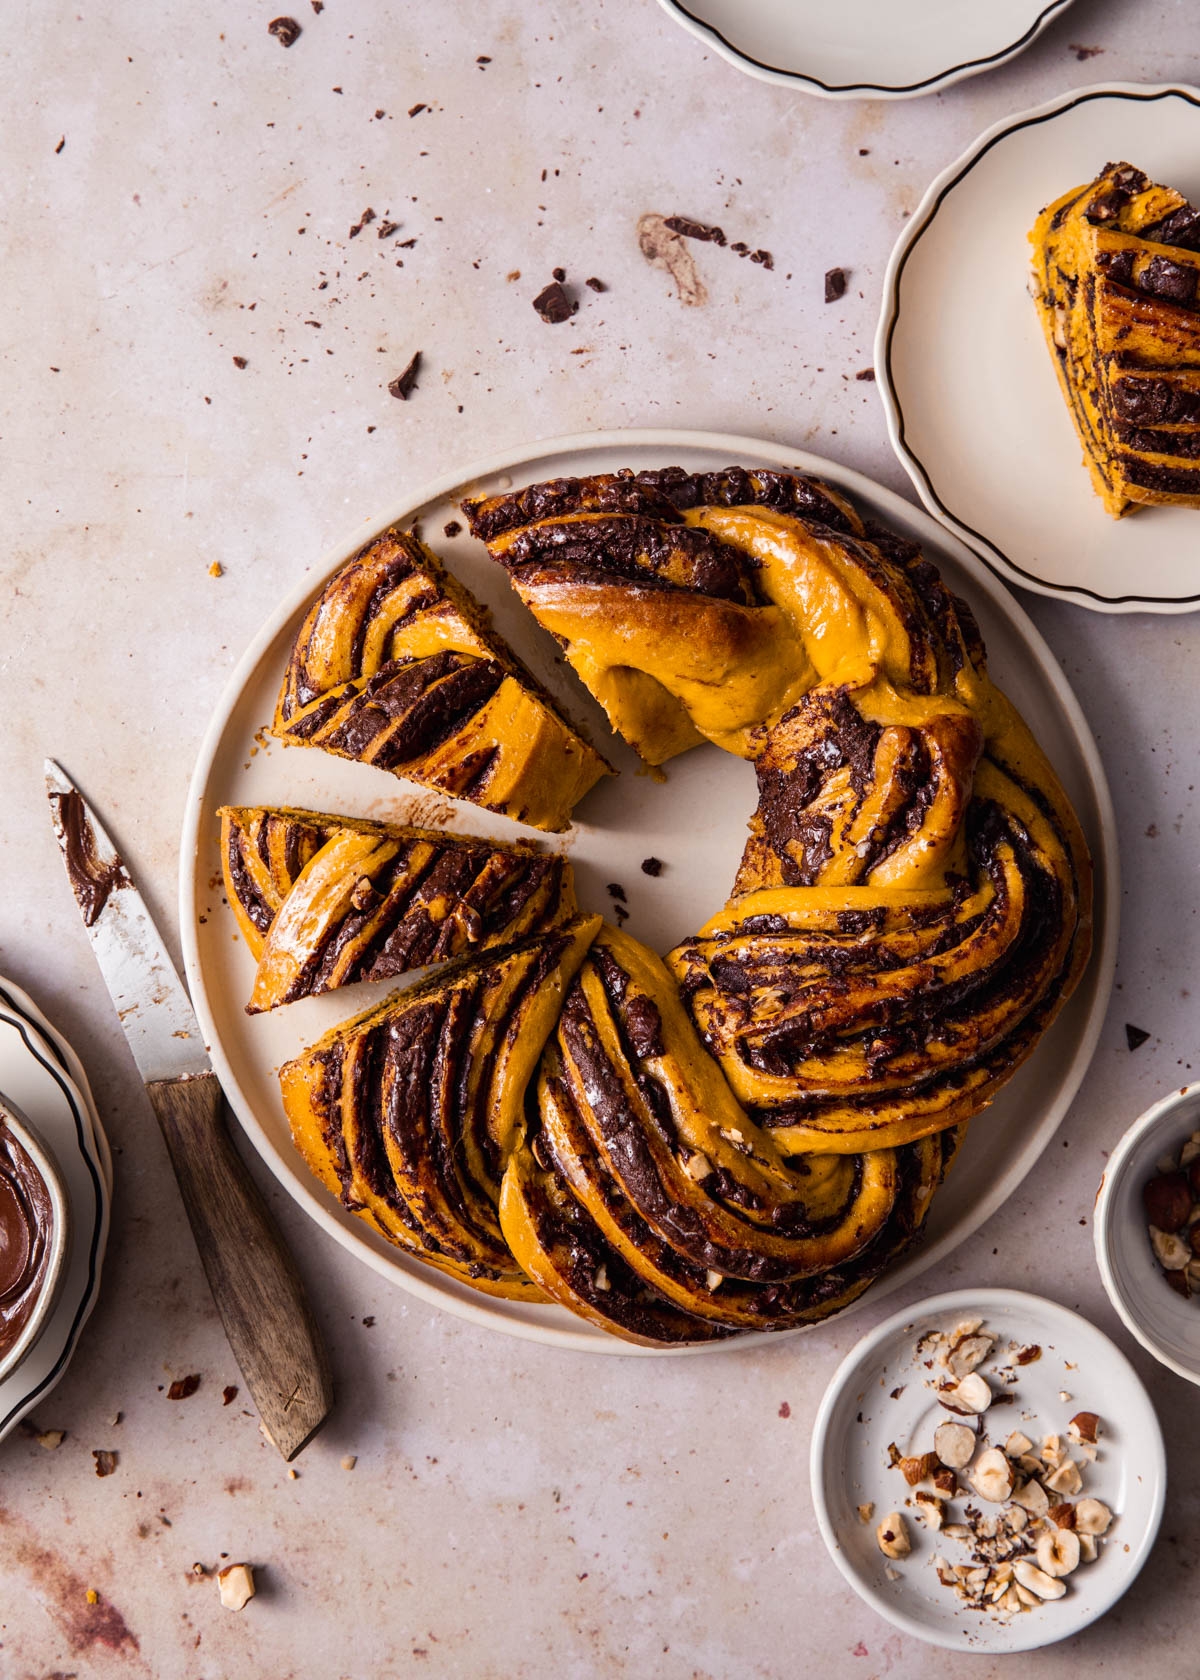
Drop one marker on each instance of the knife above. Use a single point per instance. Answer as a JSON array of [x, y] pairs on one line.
[[253, 1278]]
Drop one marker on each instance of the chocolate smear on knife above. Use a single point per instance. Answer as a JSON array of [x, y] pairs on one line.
[[91, 880]]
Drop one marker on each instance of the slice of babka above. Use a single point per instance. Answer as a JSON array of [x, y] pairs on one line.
[[323, 901], [1117, 286], [397, 665], [410, 1112]]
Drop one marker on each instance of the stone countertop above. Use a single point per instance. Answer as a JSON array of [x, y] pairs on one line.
[[512, 1508]]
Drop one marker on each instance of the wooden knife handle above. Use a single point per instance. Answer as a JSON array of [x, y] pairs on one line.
[[253, 1278]]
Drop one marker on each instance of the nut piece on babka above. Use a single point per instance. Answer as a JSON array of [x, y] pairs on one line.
[[1116, 280], [396, 665], [409, 1113], [324, 901]]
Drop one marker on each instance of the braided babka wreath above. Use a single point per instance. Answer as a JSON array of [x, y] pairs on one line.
[[745, 1135]]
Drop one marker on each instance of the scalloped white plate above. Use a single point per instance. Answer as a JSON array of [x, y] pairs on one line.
[[861, 1413], [972, 401], [874, 49], [696, 824], [42, 1075]]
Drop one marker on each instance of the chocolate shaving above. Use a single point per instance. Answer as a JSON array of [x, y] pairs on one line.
[[865, 373], [553, 304], [184, 1387], [415, 110], [594, 284], [229, 1394], [285, 30], [404, 383], [1135, 1037], [240, 362], [835, 284], [652, 866], [386, 229], [368, 215], [688, 229], [616, 890]]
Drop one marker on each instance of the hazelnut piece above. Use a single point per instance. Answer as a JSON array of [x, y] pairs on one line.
[[1167, 1200], [1036, 1581], [892, 1536], [918, 1469], [1058, 1552], [955, 1444], [236, 1585], [1092, 1516]]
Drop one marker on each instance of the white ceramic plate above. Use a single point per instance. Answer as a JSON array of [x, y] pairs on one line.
[[873, 49], [696, 824], [1164, 1323], [972, 400], [37, 1072], [858, 1418]]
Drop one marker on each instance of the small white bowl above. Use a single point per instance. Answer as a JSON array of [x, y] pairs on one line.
[[1164, 1323], [31, 1142], [878, 1396]]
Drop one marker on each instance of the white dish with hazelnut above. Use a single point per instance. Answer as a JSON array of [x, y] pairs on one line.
[[1142, 1229], [988, 1471]]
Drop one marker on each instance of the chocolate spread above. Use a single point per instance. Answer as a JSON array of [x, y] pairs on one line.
[[26, 1219], [92, 880]]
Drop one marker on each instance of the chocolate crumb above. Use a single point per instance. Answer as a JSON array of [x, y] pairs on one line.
[[229, 1394], [184, 1387], [835, 284], [652, 866], [415, 110], [616, 890], [1135, 1037], [1028, 1355], [407, 244], [452, 528], [553, 304], [1082, 53], [379, 115], [285, 30], [620, 912], [404, 383], [483, 59], [106, 1462], [240, 362], [763, 258], [688, 229], [594, 284], [559, 273], [386, 229], [368, 215], [318, 6], [864, 151], [865, 373], [60, 145], [785, 1411], [369, 1321]]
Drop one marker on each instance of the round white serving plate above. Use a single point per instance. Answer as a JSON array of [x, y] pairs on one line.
[[973, 405], [874, 49], [696, 824], [849, 1463], [1164, 1323], [38, 1073]]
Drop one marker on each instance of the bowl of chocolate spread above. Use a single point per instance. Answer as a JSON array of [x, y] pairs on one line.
[[34, 1232]]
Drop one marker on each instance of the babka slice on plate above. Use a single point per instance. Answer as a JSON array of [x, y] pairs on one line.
[[324, 901], [1117, 286], [397, 665], [409, 1112]]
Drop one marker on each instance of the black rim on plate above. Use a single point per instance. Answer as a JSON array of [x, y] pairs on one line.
[[984, 546], [948, 74], [22, 1024]]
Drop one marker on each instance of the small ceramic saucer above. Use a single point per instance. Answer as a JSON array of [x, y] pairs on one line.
[[972, 401], [879, 1396], [38, 1076], [876, 49]]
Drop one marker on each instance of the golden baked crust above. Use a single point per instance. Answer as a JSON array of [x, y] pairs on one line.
[[745, 1135], [395, 665], [408, 1112], [1116, 282], [324, 901]]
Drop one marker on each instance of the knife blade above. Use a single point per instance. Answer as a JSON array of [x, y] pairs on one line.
[[253, 1278]]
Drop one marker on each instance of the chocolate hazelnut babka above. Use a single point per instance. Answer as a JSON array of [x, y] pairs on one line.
[[324, 901], [1116, 280], [396, 665], [745, 1135], [410, 1111]]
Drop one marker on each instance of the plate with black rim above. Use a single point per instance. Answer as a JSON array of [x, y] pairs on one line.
[[41, 1075], [973, 405], [694, 822], [877, 49]]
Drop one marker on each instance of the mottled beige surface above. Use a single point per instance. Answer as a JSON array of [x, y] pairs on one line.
[[512, 1511]]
